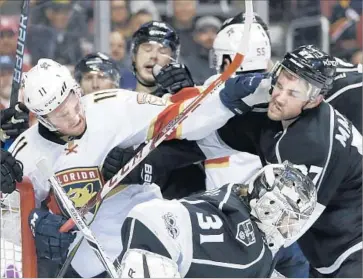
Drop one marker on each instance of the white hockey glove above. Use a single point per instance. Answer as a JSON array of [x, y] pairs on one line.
[[137, 263]]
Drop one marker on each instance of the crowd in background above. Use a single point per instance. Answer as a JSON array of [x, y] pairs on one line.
[[63, 30]]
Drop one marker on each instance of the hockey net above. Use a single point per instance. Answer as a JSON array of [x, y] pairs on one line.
[[18, 256]]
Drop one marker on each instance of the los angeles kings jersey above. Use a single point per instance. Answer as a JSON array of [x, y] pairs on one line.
[[346, 94], [207, 235], [326, 146], [114, 117]]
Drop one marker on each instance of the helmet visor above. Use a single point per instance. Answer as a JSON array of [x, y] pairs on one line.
[[284, 80]]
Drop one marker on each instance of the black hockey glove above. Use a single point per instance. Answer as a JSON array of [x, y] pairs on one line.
[[11, 171], [241, 93], [118, 157], [50, 243], [14, 121], [173, 77], [157, 166]]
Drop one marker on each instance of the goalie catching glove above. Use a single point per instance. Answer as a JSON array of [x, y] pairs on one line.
[[49, 242]]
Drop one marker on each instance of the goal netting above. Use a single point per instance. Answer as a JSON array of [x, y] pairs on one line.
[[18, 257]]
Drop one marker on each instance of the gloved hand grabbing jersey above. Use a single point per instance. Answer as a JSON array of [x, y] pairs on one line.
[[118, 157], [241, 93], [171, 78], [50, 243], [11, 171]]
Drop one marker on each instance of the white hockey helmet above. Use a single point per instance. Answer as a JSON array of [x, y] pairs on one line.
[[45, 87], [227, 41], [282, 199]]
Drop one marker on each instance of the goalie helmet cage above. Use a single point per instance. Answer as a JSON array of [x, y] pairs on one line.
[[18, 254]]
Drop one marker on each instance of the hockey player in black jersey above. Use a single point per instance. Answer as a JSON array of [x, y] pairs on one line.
[[233, 231], [346, 94], [302, 128]]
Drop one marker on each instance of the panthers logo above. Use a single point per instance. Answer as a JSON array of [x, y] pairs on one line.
[[80, 184], [80, 196]]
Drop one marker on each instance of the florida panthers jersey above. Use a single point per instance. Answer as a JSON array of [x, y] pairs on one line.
[[114, 117], [237, 168], [207, 235]]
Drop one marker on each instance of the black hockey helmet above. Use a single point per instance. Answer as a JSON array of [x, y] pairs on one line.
[[310, 63], [156, 31], [240, 19], [98, 62]]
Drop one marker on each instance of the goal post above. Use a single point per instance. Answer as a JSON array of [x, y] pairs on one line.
[[18, 253]]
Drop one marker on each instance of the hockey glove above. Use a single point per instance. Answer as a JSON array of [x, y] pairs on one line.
[[117, 158], [50, 243], [173, 77], [11, 171], [245, 91], [14, 121]]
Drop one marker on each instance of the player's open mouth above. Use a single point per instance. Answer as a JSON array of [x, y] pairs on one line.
[[149, 68], [275, 107]]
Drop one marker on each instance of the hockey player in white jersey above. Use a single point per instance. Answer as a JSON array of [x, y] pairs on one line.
[[227, 169], [235, 168], [75, 133], [233, 231]]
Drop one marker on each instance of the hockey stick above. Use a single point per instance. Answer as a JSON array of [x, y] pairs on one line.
[[173, 124], [44, 167], [20, 48]]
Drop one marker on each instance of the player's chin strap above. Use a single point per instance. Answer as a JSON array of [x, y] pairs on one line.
[[137, 263], [144, 83], [139, 79]]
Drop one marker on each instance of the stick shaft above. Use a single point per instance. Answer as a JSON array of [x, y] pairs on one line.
[[173, 124], [20, 48]]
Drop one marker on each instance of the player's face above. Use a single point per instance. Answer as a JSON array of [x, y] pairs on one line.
[[94, 81], [148, 55], [289, 96], [69, 117]]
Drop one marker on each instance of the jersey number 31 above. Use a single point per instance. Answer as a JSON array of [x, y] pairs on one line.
[[212, 222]]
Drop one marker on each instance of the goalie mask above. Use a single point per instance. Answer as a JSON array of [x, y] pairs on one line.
[[282, 200]]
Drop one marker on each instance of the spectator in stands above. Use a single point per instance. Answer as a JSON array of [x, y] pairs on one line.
[[55, 40], [138, 19], [183, 23], [357, 57], [118, 49], [6, 74], [206, 29], [8, 39], [120, 17], [148, 5], [344, 18]]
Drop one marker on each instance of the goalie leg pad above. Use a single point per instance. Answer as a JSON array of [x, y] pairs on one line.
[[137, 263]]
